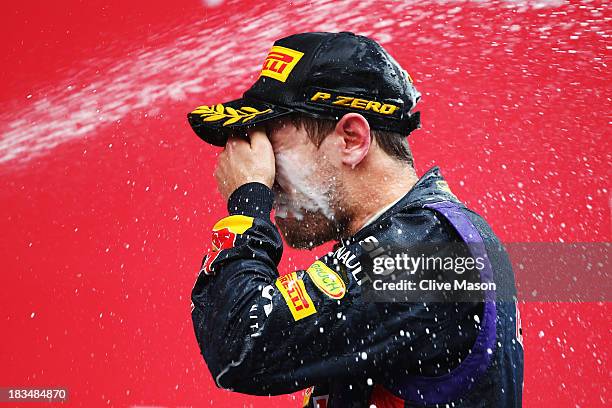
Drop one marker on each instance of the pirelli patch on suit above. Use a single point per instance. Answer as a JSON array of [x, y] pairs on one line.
[[298, 300], [362, 103]]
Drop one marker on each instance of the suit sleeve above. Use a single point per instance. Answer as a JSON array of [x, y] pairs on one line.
[[263, 334]]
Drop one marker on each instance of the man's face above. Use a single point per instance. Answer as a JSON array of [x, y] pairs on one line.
[[307, 187]]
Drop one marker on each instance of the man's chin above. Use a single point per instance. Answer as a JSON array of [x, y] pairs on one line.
[[302, 234]]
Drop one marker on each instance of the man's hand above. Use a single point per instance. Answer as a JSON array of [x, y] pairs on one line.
[[245, 161]]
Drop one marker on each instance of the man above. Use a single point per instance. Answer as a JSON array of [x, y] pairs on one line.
[[321, 137]]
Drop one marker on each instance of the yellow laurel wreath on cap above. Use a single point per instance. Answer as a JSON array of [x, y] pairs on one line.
[[218, 112]]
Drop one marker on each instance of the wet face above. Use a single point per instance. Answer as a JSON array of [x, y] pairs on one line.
[[307, 188]]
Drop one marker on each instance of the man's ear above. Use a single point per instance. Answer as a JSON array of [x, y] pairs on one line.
[[355, 133]]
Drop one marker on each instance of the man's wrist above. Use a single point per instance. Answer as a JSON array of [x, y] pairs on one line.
[[251, 199]]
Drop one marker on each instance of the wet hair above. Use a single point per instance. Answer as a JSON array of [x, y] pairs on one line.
[[393, 144]]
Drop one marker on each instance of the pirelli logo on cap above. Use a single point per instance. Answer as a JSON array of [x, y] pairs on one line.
[[353, 102], [295, 295], [280, 62]]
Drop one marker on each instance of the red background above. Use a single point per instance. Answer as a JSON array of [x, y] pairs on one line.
[[107, 196]]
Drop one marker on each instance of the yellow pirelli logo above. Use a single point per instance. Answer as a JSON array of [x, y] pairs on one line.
[[280, 62], [299, 302], [355, 103]]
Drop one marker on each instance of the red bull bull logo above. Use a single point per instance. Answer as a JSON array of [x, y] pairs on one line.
[[224, 237]]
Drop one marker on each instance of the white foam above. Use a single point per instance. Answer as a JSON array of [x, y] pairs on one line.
[[190, 60], [291, 171]]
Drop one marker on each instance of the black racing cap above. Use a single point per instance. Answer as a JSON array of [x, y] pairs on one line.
[[322, 75]]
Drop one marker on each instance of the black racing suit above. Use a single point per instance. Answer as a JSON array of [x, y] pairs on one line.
[[263, 334]]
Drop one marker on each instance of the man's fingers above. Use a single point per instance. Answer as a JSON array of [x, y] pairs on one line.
[[231, 142], [258, 138], [244, 161], [237, 143]]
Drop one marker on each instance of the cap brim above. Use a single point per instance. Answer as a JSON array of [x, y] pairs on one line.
[[215, 123]]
